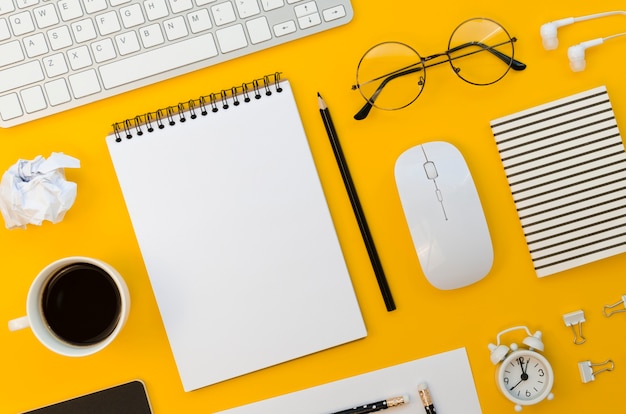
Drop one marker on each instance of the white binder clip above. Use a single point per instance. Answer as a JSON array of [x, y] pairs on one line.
[[609, 309], [576, 318], [587, 374]]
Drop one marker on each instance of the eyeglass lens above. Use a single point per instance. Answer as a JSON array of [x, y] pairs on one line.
[[482, 43]]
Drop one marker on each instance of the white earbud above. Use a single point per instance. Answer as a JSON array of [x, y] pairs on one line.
[[576, 54], [548, 32]]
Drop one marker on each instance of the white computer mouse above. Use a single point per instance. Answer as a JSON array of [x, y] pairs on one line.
[[444, 215]]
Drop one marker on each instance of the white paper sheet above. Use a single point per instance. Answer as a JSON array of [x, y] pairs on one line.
[[448, 376]]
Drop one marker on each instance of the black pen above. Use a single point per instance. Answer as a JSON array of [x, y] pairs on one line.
[[427, 400], [376, 406], [356, 206]]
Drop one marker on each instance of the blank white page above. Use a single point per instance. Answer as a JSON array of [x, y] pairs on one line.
[[448, 376], [237, 239]]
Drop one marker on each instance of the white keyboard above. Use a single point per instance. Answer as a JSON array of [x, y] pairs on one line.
[[56, 55]]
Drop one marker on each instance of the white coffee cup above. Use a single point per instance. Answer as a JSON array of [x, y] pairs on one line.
[[75, 283]]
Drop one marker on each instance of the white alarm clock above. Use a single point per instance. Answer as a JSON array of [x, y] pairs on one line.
[[524, 376]]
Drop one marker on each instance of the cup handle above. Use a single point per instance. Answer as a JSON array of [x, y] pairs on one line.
[[19, 323]]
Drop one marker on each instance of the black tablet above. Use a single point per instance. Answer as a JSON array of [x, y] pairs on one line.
[[128, 398]]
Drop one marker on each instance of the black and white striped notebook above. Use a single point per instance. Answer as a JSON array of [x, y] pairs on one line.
[[566, 167]]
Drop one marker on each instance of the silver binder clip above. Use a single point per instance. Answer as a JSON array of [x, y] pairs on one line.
[[574, 319], [609, 310], [587, 374]]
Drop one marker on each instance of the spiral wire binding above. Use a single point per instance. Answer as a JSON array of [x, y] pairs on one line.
[[213, 102]]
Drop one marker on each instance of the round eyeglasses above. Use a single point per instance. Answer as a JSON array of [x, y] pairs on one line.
[[392, 75]]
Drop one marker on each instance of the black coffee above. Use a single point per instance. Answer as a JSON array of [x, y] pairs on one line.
[[81, 304]]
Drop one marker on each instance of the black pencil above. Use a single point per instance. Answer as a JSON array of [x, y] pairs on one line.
[[356, 205]]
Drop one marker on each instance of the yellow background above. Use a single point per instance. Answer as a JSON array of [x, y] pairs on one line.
[[427, 321]]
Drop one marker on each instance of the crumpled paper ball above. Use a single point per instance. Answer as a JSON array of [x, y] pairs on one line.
[[32, 191]]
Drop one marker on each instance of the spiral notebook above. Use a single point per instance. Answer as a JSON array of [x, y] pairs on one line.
[[235, 232], [566, 167]]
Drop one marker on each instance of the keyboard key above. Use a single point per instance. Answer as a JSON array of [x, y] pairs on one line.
[[199, 21], [103, 50], [69, 9], [259, 30], [55, 65], [231, 38], [10, 53], [285, 28], [83, 30], [33, 99], [6, 6], [84, 83], [22, 23], [57, 92], [272, 4], [5, 33], [22, 4], [247, 8], [79, 57], [175, 28], [35, 45], [108, 23], [46, 16], [334, 13], [10, 107], [119, 2], [157, 61], [223, 13], [94, 6], [132, 16], [155, 9], [181, 5], [59, 37], [127, 43], [309, 21], [22, 75], [305, 9], [151, 36]]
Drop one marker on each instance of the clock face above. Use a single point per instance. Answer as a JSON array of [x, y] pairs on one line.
[[525, 377]]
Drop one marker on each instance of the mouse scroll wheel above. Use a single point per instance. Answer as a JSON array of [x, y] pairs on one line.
[[431, 171]]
